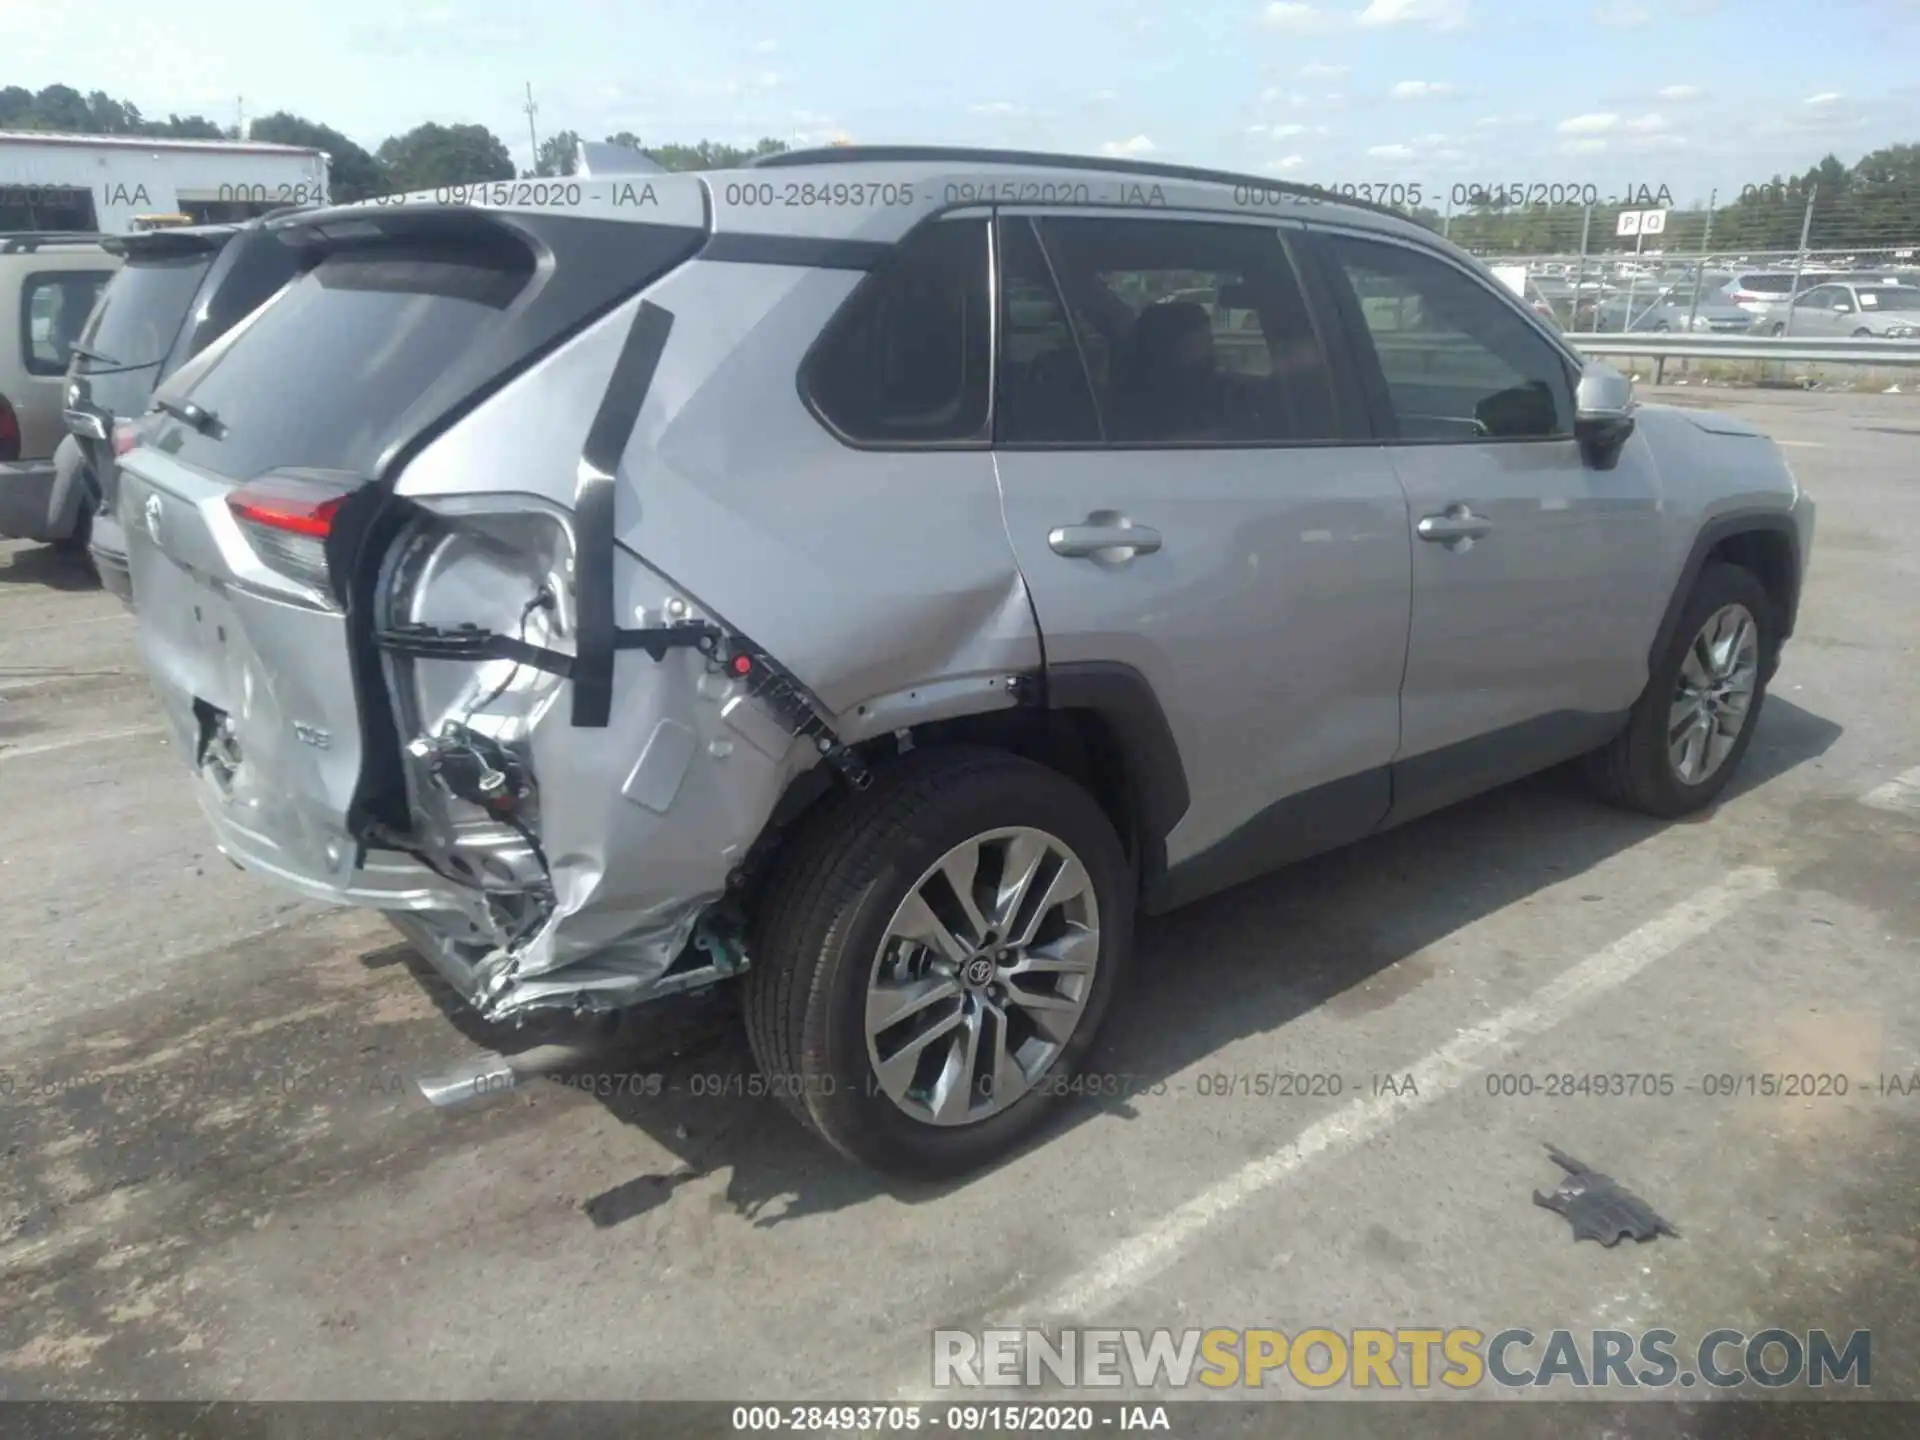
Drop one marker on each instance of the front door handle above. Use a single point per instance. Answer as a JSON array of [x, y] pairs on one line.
[[1458, 523], [1115, 539]]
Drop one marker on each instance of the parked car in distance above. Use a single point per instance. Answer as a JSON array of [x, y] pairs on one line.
[[467, 596], [1673, 309], [181, 288], [48, 285], [1765, 294], [1844, 308]]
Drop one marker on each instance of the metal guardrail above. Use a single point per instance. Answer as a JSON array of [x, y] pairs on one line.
[[1794, 350]]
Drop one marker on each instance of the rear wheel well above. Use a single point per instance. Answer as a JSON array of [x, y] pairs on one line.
[[1768, 556], [1080, 744]]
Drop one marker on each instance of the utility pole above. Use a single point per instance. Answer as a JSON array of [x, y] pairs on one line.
[[239, 117], [532, 139]]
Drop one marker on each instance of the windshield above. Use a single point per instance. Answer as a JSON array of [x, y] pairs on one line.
[[138, 318], [1894, 297]]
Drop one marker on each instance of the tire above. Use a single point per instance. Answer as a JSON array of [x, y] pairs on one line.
[[77, 540], [828, 909], [1779, 328], [1863, 333], [1637, 769]]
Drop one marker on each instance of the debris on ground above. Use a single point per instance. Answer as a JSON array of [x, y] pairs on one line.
[[1598, 1206]]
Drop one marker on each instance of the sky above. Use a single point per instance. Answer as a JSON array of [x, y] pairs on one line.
[[1689, 94]]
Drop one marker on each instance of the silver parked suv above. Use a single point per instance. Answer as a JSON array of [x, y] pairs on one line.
[[878, 574]]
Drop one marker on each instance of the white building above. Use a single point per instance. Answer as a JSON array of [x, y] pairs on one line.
[[102, 182]]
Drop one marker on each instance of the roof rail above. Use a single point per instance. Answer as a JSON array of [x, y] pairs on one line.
[[1146, 169], [23, 241]]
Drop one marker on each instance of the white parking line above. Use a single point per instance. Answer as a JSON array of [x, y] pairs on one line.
[[1139, 1259], [1803, 444], [1900, 793], [93, 737]]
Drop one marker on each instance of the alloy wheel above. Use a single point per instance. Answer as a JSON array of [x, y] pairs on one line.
[[1713, 695], [984, 972]]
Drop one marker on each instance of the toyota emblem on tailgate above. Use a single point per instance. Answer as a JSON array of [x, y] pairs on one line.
[[153, 518]]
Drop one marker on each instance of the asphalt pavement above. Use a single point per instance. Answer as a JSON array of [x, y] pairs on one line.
[[219, 1182]]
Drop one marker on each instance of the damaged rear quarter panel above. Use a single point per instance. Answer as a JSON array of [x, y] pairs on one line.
[[868, 575]]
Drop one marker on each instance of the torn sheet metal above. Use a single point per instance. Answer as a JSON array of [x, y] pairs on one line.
[[1598, 1206]]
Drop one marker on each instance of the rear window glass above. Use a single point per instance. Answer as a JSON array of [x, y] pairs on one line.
[[142, 310], [326, 372], [1767, 284]]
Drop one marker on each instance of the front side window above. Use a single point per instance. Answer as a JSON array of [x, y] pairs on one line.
[[908, 359], [1191, 332], [1459, 362], [54, 306]]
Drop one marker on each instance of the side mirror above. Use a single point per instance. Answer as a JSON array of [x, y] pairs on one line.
[[82, 417], [1602, 414]]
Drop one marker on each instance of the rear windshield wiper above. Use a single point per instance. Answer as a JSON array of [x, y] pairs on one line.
[[204, 421]]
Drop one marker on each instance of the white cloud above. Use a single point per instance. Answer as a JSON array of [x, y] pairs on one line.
[[1682, 92], [765, 47], [1493, 122], [1256, 129], [1390, 152], [1295, 18], [1280, 132], [1620, 14], [1138, 145], [1588, 124], [1440, 14], [1421, 89], [767, 79], [1317, 71], [1647, 124], [1824, 99], [1582, 147], [999, 107], [1286, 163]]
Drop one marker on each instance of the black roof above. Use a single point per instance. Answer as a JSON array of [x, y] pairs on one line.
[[1146, 169]]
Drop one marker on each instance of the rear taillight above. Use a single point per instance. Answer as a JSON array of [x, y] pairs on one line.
[[125, 437], [287, 518], [9, 431]]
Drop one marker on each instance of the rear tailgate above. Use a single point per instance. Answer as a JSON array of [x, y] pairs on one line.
[[284, 439]]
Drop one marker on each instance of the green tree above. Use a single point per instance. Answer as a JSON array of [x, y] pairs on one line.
[[189, 127], [559, 155], [353, 174], [702, 155], [431, 155]]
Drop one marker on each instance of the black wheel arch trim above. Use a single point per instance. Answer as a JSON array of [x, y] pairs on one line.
[[1715, 531], [1156, 776]]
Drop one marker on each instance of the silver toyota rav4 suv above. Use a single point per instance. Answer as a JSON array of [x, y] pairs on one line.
[[875, 576]]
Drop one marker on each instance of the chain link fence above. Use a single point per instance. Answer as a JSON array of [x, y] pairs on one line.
[[1736, 267]]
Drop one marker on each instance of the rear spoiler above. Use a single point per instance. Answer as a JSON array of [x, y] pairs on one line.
[[153, 244]]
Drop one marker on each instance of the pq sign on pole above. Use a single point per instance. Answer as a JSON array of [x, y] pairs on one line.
[[1641, 222]]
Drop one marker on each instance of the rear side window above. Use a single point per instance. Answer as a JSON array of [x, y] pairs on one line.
[[54, 306], [1045, 395], [325, 373], [1767, 284], [908, 359], [143, 310], [1192, 332], [1459, 362]]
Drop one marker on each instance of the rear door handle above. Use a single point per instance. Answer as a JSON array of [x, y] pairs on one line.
[[1079, 541], [1456, 524]]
